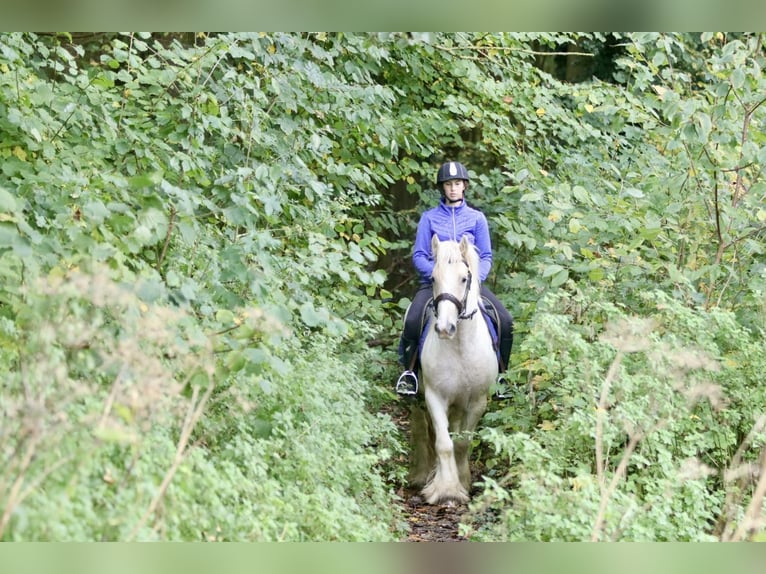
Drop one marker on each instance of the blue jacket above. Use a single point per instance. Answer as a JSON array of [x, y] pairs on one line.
[[451, 223]]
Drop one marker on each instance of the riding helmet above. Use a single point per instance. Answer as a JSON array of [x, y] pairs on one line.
[[451, 170]]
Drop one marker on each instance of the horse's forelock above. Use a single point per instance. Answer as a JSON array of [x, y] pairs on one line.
[[449, 252]]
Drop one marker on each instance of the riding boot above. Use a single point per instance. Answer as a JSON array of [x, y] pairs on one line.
[[503, 385], [410, 339]]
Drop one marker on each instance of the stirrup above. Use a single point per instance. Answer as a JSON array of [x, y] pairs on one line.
[[407, 383], [503, 388]]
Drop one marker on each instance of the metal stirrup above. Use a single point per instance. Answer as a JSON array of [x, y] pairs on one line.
[[402, 386], [503, 390]]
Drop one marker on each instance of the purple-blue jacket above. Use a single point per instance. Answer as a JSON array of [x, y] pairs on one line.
[[451, 223]]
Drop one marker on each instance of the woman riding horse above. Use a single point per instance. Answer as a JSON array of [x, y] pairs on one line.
[[458, 365], [452, 219]]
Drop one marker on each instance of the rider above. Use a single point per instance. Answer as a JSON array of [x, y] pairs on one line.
[[451, 219]]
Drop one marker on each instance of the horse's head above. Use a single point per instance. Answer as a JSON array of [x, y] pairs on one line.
[[455, 284]]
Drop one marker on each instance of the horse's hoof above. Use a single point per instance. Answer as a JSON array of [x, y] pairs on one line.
[[449, 500]]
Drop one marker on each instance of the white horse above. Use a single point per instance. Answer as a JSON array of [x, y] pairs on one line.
[[458, 365]]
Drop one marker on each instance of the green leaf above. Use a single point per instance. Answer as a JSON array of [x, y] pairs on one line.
[[8, 203], [115, 435], [150, 290], [560, 278], [143, 235], [256, 355], [313, 317], [355, 253], [552, 269], [738, 77], [596, 274], [145, 180], [224, 316], [9, 235], [262, 428], [532, 197], [95, 212], [705, 126]]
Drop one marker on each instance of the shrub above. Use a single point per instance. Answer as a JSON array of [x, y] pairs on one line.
[[635, 427], [118, 423]]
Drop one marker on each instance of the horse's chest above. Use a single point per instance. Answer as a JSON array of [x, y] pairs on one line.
[[463, 359]]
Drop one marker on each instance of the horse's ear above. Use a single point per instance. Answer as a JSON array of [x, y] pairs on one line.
[[434, 244], [465, 245]]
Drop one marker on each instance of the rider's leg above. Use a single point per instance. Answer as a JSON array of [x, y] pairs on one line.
[[408, 346], [506, 334]]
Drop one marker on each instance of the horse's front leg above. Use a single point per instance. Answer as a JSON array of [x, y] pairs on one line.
[[462, 442], [444, 486]]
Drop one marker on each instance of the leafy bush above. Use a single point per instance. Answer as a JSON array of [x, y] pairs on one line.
[[634, 426], [104, 439], [198, 332], [298, 464]]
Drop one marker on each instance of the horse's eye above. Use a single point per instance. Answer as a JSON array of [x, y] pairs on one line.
[[465, 279]]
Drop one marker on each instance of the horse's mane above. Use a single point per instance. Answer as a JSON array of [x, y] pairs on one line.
[[450, 252]]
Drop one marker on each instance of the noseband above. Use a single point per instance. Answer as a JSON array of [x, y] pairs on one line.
[[452, 299]]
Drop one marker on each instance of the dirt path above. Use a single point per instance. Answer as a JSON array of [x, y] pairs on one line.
[[431, 523]]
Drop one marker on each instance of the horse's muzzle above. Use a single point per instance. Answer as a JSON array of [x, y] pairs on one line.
[[445, 331]]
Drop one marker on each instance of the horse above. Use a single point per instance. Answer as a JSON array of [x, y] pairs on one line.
[[458, 364]]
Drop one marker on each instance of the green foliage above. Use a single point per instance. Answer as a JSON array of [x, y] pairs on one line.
[[298, 458], [632, 429], [659, 190], [207, 221], [194, 174], [102, 428], [97, 386]]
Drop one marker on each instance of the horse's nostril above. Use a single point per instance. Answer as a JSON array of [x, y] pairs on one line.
[[446, 332]]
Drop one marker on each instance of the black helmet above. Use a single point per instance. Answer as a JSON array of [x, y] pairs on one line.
[[451, 170]]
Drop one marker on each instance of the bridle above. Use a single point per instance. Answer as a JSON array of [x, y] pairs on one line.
[[460, 304]]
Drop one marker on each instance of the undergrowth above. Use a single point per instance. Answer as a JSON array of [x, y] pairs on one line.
[[629, 428]]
